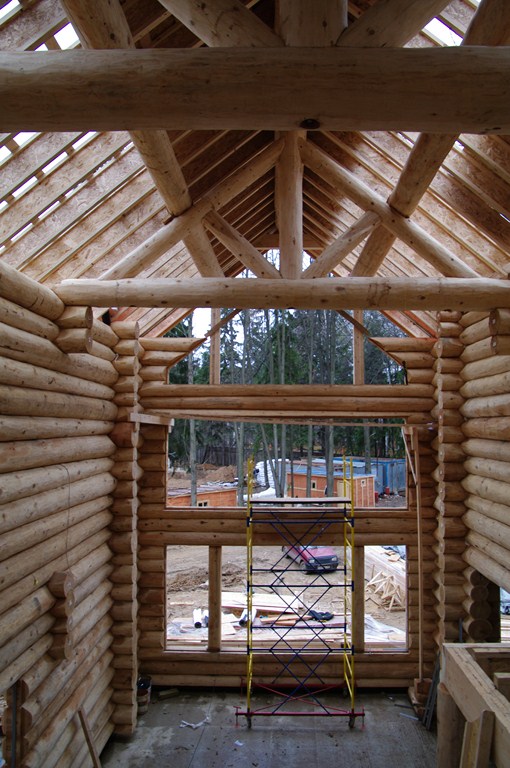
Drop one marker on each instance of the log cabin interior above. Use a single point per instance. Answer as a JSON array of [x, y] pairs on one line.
[[152, 152]]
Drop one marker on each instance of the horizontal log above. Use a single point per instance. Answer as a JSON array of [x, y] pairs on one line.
[[19, 646], [489, 367], [185, 89], [19, 345], [87, 555], [170, 344], [24, 454], [19, 317], [127, 366], [125, 329], [497, 384], [491, 428], [76, 317], [496, 552], [448, 452], [448, 365], [74, 340], [24, 484], [493, 570], [497, 532], [448, 382], [499, 322], [102, 351], [16, 513], [349, 404], [21, 289], [19, 566], [20, 401], [20, 539], [488, 467], [477, 331], [154, 373], [500, 345], [20, 374], [487, 488], [104, 334], [286, 390], [156, 358], [486, 406], [450, 434], [32, 427], [480, 350], [449, 347], [404, 343], [24, 613], [257, 293], [489, 509]]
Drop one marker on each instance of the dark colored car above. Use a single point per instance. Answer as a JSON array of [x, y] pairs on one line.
[[313, 559]]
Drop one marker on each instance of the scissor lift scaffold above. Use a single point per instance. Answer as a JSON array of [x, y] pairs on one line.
[[301, 647]]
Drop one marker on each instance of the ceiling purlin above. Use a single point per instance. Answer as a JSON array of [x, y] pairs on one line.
[[489, 26], [105, 26]]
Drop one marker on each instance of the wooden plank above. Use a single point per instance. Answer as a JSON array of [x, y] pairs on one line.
[[476, 746], [89, 738], [340, 89], [475, 693]]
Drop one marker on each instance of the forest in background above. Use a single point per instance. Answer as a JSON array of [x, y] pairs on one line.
[[284, 347]]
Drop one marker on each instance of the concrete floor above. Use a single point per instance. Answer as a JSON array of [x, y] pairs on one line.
[[387, 737]]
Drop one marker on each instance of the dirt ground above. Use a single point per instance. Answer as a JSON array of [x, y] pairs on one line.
[[187, 573], [187, 569]]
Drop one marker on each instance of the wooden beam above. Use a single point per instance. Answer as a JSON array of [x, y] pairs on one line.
[[390, 23], [225, 23], [489, 26], [336, 252], [254, 89], [202, 252], [239, 246], [413, 235], [182, 226], [322, 293], [289, 206], [474, 692], [310, 25]]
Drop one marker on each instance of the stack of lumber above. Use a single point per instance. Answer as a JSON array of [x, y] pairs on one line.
[[450, 471], [56, 378], [486, 410], [385, 573]]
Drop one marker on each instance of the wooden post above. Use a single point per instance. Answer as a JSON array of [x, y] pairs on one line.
[[214, 635], [450, 729]]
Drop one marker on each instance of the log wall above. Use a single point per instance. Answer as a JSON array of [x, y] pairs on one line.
[[486, 431], [56, 486]]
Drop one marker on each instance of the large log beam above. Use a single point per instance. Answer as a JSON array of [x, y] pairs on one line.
[[339, 89], [322, 293]]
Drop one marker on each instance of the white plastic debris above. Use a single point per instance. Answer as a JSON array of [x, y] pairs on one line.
[[185, 724]]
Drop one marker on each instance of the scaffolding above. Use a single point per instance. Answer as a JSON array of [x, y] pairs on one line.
[[309, 650]]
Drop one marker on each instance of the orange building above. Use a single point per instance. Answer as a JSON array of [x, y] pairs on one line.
[[364, 485]]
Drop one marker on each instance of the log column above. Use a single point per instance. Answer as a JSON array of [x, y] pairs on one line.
[[449, 502], [486, 383], [416, 355], [152, 557], [123, 541]]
